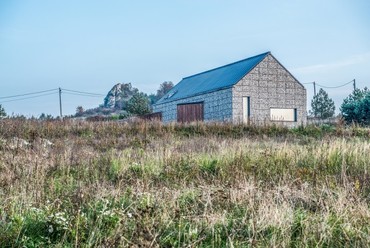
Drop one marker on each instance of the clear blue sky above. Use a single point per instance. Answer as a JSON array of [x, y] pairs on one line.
[[92, 45]]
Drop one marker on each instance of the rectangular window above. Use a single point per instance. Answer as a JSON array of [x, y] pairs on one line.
[[295, 115], [278, 114]]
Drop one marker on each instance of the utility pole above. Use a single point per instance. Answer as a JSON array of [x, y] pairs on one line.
[[314, 88], [60, 103], [354, 84]]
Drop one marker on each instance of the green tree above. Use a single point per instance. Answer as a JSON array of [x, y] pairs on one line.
[[322, 106], [152, 98], [79, 111], [2, 112], [138, 104], [356, 107]]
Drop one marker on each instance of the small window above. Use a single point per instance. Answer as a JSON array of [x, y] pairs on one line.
[[278, 114], [171, 94], [246, 109]]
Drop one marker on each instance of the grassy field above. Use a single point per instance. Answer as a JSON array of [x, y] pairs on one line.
[[109, 184]]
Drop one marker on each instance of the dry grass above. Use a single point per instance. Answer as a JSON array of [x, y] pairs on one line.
[[216, 185]]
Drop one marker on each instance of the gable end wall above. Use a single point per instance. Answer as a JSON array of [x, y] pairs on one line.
[[269, 85]]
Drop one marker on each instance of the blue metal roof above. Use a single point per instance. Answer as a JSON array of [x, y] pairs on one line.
[[219, 78]]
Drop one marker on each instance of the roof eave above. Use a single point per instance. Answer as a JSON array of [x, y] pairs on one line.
[[198, 94]]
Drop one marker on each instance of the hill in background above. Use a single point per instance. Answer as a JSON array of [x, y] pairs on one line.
[[118, 100]]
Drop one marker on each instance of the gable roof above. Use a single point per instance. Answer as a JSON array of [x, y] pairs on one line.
[[212, 80]]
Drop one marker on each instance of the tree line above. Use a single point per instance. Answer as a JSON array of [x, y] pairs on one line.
[[354, 109]]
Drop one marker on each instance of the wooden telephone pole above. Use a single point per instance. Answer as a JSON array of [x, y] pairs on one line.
[[354, 84], [60, 103]]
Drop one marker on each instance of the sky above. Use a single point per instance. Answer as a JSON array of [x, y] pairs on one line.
[[91, 45]]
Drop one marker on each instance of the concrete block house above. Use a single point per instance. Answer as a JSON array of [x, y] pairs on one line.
[[255, 90]]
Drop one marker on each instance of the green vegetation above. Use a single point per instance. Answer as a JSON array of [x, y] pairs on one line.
[[79, 111], [110, 184], [322, 106], [2, 112], [124, 101], [138, 104], [356, 107]]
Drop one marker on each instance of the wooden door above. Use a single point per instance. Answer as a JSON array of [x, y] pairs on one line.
[[190, 112]]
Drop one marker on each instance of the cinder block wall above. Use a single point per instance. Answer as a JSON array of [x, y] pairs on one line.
[[269, 85], [217, 106]]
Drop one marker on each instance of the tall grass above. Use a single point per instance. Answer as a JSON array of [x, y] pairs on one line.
[[208, 185]]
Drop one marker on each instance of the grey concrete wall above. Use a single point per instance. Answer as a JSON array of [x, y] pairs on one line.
[[269, 85], [217, 106]]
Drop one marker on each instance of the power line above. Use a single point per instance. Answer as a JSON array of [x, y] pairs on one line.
[[20, 99], [27, 94], [39, 94], [79, 94], [56, 91], [334, 87], [74, 92], [82, 92]]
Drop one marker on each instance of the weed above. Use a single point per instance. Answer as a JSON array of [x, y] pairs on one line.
[[115, 184]]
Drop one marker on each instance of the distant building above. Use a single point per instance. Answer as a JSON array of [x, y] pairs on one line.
[[254, 90]]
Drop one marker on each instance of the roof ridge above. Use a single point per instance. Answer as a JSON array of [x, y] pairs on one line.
[[265, 54]]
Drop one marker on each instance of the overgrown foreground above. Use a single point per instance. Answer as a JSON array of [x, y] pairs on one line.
[[138, 184]]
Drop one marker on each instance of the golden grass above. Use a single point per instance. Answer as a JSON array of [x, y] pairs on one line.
[[148, 184]]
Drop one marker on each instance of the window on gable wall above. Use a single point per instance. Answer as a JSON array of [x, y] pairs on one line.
[[283, 114]]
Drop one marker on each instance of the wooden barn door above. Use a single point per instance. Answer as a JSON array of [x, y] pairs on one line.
[[190, 112]]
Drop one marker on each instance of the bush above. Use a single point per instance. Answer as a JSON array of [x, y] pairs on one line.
[[138, 104]]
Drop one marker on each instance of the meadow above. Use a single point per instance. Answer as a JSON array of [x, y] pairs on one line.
[[145, 184]]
